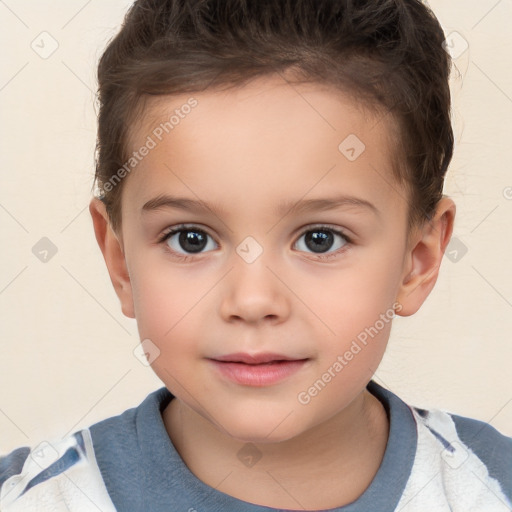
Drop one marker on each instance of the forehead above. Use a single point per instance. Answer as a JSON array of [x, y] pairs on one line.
[[281, 139], [270, 99]]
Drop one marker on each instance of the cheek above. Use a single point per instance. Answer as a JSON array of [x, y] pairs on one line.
[[166, 309], [166, 316], [164, 300], [348, 300], [356, 313], [346, 364]]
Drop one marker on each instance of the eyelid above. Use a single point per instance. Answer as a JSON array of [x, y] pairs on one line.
[[323, 225], [182, 227]]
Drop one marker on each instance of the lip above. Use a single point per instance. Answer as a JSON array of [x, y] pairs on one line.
[[263, 357], [257, 370]]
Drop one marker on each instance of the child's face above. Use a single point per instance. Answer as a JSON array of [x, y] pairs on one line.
[[257, 285]]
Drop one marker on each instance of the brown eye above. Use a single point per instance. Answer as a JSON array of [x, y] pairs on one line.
[[319, 241], [187, 240], [322, 240], [192, 241]]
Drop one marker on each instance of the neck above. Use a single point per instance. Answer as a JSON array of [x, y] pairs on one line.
[[327, 466]]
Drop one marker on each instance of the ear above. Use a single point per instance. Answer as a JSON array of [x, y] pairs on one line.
[[423, 258], [113, 253]]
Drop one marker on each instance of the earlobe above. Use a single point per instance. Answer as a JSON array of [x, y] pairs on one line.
[[113, 254], [424, 257]]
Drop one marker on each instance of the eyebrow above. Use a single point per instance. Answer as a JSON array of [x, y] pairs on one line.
[[306, 205]]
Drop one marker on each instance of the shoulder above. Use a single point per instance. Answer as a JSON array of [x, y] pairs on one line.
[[60, 474], [490, 445], [447, 461], [468, 459], [103, 463]]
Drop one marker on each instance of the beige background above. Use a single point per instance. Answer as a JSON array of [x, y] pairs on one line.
[[66, 349]]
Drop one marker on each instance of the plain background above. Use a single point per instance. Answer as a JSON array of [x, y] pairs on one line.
[[67, 352]]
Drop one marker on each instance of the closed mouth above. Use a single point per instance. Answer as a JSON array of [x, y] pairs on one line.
[[256, 359]]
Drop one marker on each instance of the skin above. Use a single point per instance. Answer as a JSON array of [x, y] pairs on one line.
[[245, 151]]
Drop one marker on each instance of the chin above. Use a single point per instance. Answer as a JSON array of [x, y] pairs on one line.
[[260, 429]]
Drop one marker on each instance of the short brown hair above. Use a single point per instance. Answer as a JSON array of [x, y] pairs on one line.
[[387, 53]]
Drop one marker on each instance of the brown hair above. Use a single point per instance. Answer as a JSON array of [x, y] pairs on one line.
[[387, 53]]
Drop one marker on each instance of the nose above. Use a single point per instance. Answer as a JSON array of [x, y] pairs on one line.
[[252, 293]]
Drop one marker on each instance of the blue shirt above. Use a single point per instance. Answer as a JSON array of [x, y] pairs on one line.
[[434, 461]]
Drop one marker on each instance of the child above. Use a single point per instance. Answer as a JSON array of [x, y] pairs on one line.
[[236, 138]]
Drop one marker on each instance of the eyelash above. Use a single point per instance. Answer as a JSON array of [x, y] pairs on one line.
[[183, 257]]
